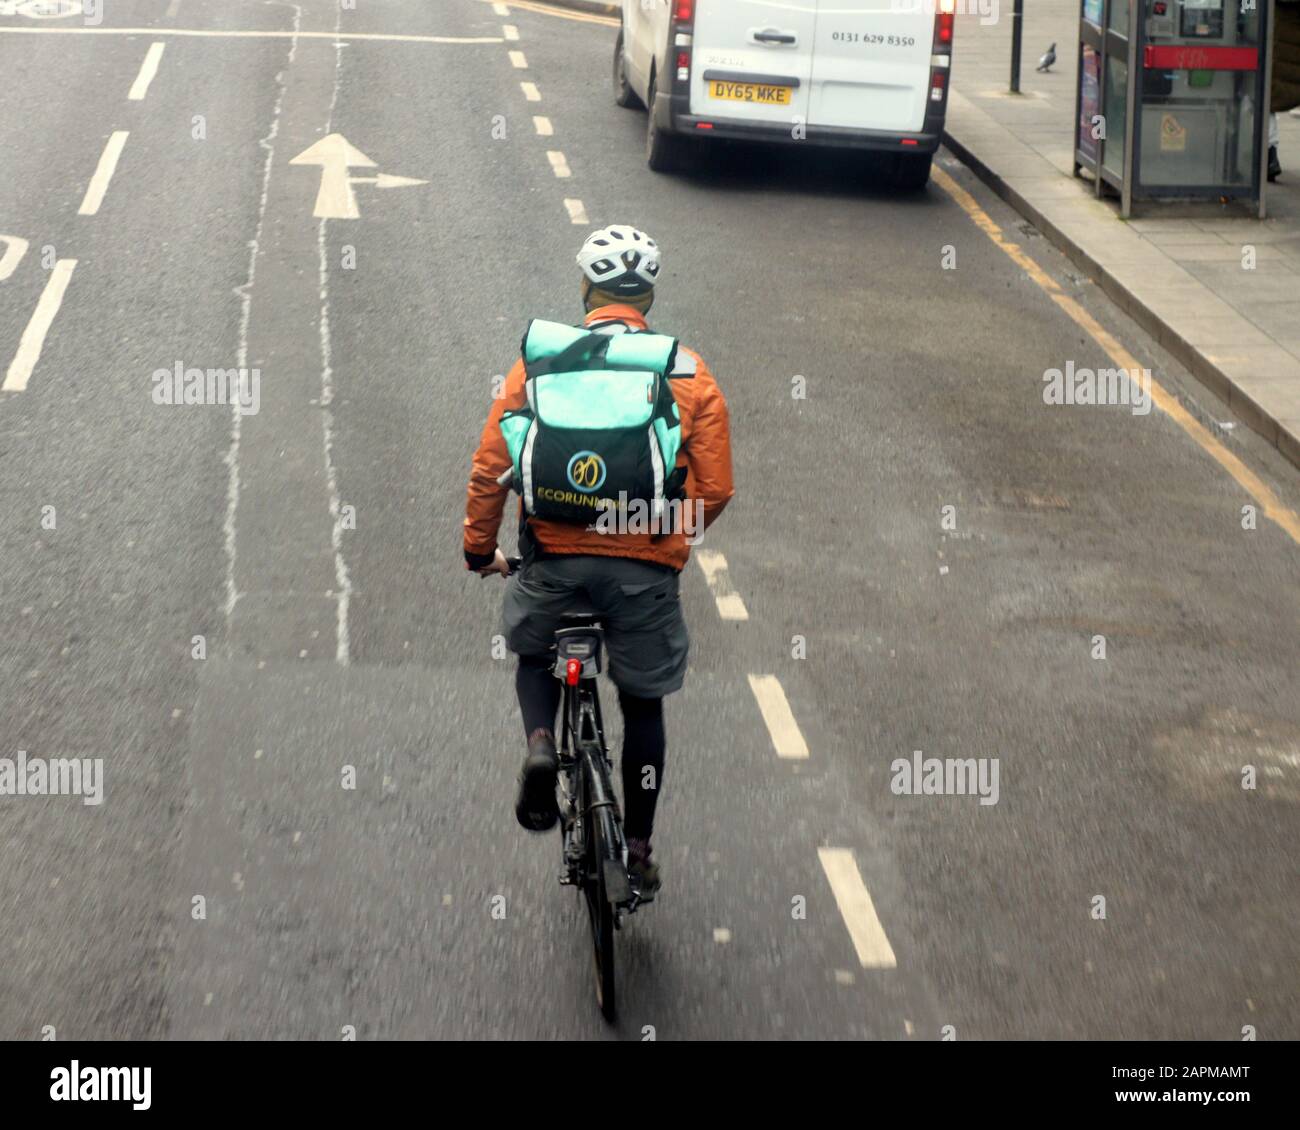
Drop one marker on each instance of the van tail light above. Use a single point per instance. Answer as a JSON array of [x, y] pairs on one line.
[[683, 66], [684, 11], [943, 23], [937, 82]]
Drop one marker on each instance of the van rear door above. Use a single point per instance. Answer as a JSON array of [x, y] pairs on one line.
[[752, 59], [871, 64]]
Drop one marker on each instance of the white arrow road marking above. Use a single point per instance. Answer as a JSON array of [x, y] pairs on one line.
[[15, 247], [387, 180], [786, 736], [335, 199], [33, 339], [103, 173], [148, 69], [854, 901]]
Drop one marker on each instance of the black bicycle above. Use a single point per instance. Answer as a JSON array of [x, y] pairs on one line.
[[594, 850]]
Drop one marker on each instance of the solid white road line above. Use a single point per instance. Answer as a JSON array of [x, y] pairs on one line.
[[577, 213], [213, 33], [730, 605], [786, 738], [148, 69], [854, 901], [543, 126], [103, 173], [559, 165], [518, 61], [530, 91], [33, 339]]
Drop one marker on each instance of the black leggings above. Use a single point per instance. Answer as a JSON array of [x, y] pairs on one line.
[[643, 738]]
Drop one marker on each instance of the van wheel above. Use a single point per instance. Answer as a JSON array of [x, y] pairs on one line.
[[664, 153], [624, 95], [911, 171]]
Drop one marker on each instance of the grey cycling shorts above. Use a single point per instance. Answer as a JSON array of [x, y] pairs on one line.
[[639, 605]]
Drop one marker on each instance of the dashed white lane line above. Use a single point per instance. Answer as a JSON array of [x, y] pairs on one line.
[[148, 69], [103, 173], [15, 247], [730, 605], [784, 730], [510, 32], [33, 339], [857, 909], [543, 126], [501, 9], [559, 166], [530, 91], [577, 213], [518, 61]]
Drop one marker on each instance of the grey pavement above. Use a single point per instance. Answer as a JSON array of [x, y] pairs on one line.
[[412, 906]]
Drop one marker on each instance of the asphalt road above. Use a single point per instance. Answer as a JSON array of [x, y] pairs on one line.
[[412, 905]]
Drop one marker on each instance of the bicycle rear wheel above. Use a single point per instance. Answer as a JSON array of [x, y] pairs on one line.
[[600, 911]]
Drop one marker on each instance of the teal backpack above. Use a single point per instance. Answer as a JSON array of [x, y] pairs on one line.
[[601, 428]]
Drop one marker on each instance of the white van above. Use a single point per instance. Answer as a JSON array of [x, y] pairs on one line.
[[863, 74]]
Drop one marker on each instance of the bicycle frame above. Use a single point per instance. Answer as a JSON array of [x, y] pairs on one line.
[[589, 792]]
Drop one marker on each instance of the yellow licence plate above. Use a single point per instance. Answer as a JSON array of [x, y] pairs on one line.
[[751, 92]]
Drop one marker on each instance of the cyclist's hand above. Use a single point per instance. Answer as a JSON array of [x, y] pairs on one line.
[[499, 565]]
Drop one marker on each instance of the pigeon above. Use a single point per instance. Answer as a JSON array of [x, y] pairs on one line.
[[1045, 63]]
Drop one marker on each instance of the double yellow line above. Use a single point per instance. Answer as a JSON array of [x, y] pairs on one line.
[[1270, 505]]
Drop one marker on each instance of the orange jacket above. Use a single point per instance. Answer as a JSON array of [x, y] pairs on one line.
[[705, 453]]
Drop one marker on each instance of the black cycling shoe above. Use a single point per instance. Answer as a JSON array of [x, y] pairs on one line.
[[641, 870], [535, 807]]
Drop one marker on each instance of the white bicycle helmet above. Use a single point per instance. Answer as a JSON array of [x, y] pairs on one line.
[[620, 260]]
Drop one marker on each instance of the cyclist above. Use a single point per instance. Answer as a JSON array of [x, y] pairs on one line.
[[626, 574]]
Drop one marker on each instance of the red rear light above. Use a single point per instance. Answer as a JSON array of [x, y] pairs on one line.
[[573, 672], [943, 22], [683, 58], [684, 11], [908, 141]]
